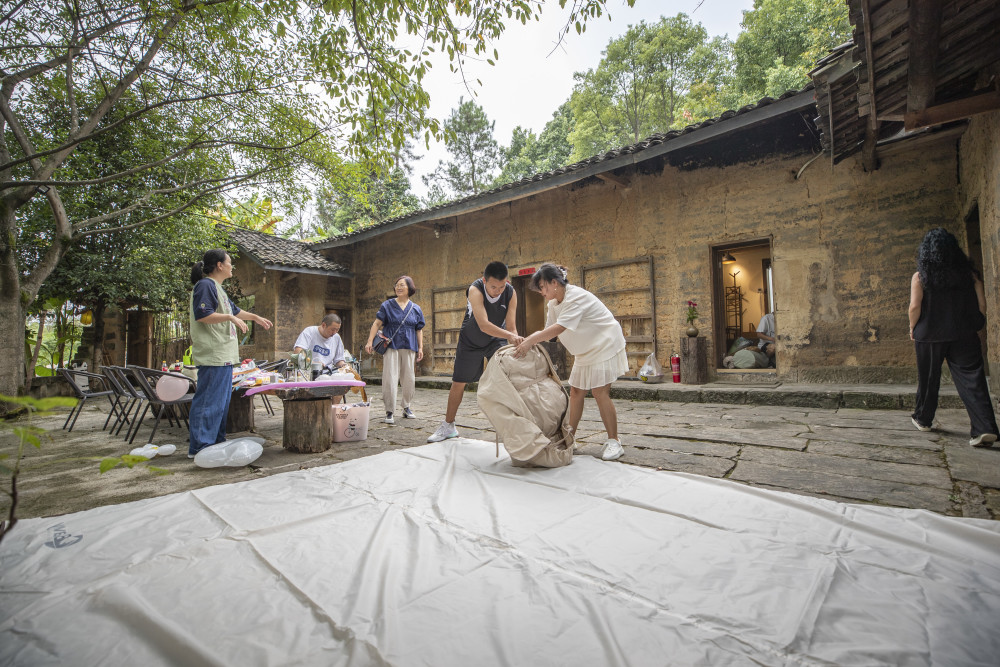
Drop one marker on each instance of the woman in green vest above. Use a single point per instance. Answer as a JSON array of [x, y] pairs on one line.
[[214, 348]]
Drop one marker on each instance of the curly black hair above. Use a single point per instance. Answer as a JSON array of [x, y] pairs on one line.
[[941, 262]]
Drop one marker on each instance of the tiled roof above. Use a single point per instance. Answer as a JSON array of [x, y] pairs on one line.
[[276, 253], [633, 149]]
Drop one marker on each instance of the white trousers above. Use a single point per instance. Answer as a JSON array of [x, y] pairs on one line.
[[397, 367]]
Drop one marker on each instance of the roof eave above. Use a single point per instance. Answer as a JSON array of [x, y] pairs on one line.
[[291, 269], [305, 269], [742, 121]]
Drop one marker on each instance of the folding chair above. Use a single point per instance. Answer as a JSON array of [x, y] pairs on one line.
[[125, 398], [145, 381], [83, 394], [133, 397]]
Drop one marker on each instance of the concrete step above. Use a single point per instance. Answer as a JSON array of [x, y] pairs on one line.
[[831, 396]]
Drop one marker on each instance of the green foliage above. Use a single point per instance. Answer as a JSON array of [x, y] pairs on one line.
[[475, 155], [149, 266], [529, 154], [782, 40], [132, 113], [380, 198], [648, 81], [256, 213]]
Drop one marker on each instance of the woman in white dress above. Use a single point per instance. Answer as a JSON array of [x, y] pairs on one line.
[[594, 337]]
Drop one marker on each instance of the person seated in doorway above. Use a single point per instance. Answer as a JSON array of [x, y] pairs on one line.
[[766, 335], [324, 343]]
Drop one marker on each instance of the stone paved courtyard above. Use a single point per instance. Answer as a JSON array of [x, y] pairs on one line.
[[845, 454]]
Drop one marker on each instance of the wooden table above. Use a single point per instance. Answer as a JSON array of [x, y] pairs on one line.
[[308, 408]]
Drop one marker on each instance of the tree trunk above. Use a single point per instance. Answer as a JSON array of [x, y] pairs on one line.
[[12, 370], [97, 350]]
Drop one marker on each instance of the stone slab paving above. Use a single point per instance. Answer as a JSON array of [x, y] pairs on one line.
[[844, 453]]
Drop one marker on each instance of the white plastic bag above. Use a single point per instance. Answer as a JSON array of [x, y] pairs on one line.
[[231, 453], [150, 450], [651, 370]]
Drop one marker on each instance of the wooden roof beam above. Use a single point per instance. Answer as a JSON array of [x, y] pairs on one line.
[[869, 157], [614, 179], [925, 36], [952, 111]]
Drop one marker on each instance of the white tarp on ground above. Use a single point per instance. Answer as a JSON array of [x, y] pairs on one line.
[[443, 555]]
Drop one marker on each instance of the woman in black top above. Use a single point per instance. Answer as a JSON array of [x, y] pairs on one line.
[[947, 308]]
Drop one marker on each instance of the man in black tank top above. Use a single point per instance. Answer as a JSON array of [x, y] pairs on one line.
[[490, 322]]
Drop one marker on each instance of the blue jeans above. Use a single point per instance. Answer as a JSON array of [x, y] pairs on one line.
[[210, 407]]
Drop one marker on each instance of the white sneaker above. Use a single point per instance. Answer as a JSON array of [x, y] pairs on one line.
[[983, 440], [612, 450], [920, 427], [388, 418], [443, 432]]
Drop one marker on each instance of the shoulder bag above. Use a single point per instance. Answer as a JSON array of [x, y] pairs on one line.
[[381, 343]]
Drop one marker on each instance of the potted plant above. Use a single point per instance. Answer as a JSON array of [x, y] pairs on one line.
[[692, 315]]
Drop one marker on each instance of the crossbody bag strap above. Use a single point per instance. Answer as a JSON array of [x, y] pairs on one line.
[[406, 313]]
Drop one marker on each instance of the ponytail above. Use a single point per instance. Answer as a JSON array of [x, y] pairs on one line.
[[210, 262], [197, 272]]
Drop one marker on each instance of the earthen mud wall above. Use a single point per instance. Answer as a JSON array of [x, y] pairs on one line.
[[843, 242]]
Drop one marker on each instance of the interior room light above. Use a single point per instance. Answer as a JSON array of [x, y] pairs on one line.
[[728, 259]]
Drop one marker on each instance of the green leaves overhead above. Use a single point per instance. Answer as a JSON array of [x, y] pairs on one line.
[[207, 98], [475, 154], [782, 40], [643, 84]]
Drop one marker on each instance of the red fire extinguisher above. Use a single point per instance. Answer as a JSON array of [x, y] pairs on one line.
[[675, 366]]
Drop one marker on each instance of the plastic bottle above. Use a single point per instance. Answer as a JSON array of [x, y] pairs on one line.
[[164, 367]]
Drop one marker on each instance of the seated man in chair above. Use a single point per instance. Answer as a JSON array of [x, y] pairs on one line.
[[324, 343]]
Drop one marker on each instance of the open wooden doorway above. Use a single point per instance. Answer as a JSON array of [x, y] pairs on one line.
[[743, 293], [530, 306]]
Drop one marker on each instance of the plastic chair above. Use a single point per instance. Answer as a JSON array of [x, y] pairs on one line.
[[145, 381], [83, 394]]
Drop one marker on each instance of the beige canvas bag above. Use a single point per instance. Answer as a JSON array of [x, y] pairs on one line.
[[528, 407]]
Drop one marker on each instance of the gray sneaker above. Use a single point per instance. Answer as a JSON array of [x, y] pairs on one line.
[[443, 432], [388, 418], [408, 414], [612, 450]]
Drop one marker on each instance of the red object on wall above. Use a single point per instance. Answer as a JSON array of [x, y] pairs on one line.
[[526, 272], [675, 366]]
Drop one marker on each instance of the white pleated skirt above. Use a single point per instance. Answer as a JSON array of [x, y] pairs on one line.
[[599, 374]]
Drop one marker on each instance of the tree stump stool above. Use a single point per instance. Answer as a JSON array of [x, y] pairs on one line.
[[694, 361], [240, 417], [308, 425]]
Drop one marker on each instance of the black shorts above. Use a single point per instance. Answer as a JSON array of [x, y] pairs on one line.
[[469, 360]]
